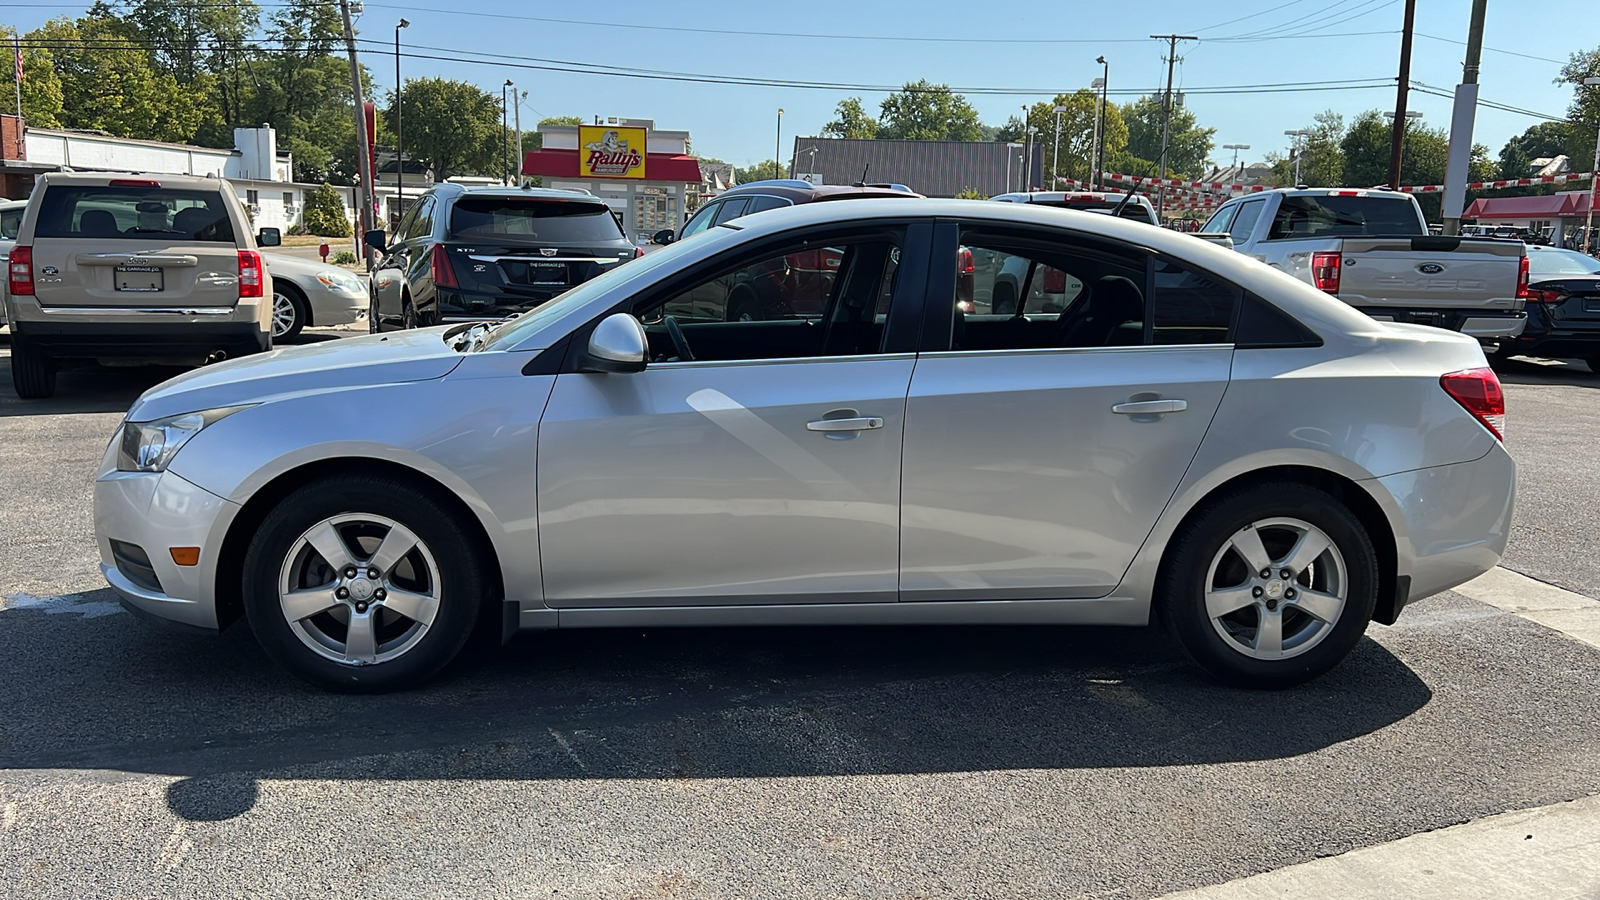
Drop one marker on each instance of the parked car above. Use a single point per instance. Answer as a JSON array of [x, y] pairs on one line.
[[469, 253], [1372, 249], [760, 196], [1197, 437], [10, 224], [1138, 208], [154, 268], [1563, 307], [305, 292]]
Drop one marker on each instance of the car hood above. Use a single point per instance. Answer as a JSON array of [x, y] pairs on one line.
[[391, 358]]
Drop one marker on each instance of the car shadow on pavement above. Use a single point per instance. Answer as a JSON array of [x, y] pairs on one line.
[[659, 704], [84, 387]]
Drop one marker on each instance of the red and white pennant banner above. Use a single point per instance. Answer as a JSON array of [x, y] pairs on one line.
[[1211, 186]]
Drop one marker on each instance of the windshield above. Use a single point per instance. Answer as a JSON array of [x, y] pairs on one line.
[[1550, 263], [514, 331], [541, 221]]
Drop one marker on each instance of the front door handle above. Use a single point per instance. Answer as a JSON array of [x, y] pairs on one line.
[[1150, 407], [859, 423]]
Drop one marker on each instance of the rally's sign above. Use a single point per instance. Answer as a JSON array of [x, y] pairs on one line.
[[607, 151]]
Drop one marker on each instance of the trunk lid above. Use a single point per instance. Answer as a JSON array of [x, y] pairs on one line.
[[135, 245], [1430, 272]]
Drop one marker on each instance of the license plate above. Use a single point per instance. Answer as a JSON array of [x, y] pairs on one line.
[[141, 279], [547, 273]]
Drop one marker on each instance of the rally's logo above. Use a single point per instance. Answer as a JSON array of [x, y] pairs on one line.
[[612, 156]]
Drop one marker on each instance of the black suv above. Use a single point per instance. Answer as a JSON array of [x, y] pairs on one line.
[[466, 253], [758, 196]]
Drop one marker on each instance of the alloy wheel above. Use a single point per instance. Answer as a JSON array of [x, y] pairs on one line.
[[1276, 588], [359, 589], [284, 314]]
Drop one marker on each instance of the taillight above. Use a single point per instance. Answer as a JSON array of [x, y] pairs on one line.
[[443, 275], [638, 252], [1522, 279], [135, 182], [250, 276], [1325, 271], [965, 262], [1478, 391], [21, 269], [1546, 296], [1055, 281]]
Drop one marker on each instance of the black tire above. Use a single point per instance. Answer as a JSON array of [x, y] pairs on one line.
[[33, 374], [1181, 590], [408, 316], [1003, 299], [743, 306], [461, 588], [297, 303]]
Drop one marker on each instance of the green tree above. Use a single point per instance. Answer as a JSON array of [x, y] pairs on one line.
[[41, 86], [1321, 154], [1584, 113], [1545, 139], [109, 83], [851, 120], [757, 172], [191, 37], [928, 112], [1188, 145], [302, 89], [454, 125], [324, 213], [1077, 132]]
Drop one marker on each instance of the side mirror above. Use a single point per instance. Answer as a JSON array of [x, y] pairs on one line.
[[618, 345], [376, 239], [663, 237], [269, 237]]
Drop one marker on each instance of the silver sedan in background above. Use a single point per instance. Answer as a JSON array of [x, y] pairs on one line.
[[312, 293], [1171, 431]]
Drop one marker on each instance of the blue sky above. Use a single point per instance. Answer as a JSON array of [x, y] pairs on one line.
[[1027, 44]]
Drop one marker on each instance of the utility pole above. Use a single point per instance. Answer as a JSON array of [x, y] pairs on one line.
[[1461, 121], [1096, 182], [516, 155], [505, 135], [1398, 137], [1166, 108], [364, 185], [1055, 154], [399, 130]]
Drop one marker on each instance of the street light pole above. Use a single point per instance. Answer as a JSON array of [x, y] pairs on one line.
[[1055, 155], [1100, 132], [1295, 148], [1236, 148], [777, 146], [1027, 166], [505, 134], [1594, 183], [399, 128]]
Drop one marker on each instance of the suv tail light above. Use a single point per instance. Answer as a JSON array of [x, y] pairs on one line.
[[1478, 391], [21, 269], [1522, 280], [1325, 271], [251, 282], [965, 262], [443, 275]]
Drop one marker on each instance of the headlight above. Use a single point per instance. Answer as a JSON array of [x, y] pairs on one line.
[[150, 446], [341, 281]]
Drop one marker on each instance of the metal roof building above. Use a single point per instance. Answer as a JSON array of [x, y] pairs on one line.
[[931, 168]]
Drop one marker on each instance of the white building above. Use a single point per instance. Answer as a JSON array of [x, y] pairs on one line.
[[262, 177]]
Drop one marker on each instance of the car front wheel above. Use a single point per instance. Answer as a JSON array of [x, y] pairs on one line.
[[363, 584], [288, 314], [1271, 586]]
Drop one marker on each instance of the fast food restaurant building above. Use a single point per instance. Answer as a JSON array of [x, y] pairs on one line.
[[644, 175]]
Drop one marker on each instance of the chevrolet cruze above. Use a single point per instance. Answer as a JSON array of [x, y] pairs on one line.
[[1160, 429]]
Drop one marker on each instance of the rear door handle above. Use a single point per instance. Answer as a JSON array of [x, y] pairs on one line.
[[1150, 407], [860, 423]]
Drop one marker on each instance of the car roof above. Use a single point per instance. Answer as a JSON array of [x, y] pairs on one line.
[[104, 179], [797, 191], [535, 193], [1063, 196]]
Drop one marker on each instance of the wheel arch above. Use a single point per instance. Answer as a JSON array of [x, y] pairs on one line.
[[245, 523], [1392, 589], [295, 291]]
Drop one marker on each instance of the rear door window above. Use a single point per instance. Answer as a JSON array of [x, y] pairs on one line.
[[541, 221], [133, 213], [11, 223]]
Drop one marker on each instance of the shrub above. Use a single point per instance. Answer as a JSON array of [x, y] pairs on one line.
[[297, 228], [345, 258], [324, 213], [970, 194]]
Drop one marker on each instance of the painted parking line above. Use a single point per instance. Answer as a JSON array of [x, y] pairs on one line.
[[1547, 853], [1572, 614], [91, 605]]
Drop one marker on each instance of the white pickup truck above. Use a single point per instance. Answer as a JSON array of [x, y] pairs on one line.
[[1371, 249]]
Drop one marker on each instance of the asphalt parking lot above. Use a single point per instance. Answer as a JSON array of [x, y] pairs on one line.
[[874, 763]]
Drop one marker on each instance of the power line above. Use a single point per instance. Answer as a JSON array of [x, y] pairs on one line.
[[1255, 15], [1559, 62]]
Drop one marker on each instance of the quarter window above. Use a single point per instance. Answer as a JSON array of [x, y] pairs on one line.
[[1191, 307]]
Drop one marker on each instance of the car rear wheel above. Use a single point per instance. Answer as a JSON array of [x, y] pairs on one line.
[[363, 584], [408, 316], [1271, 586], [743, 306], [289, 312], [33, 374]]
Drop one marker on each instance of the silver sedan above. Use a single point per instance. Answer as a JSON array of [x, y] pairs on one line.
[[1161, 430], [312, 293]]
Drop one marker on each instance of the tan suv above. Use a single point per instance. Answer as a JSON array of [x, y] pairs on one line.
[[154, 268]]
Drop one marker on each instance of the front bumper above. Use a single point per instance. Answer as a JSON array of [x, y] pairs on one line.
[[154, 513], [334, 307], [1453, 521]]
